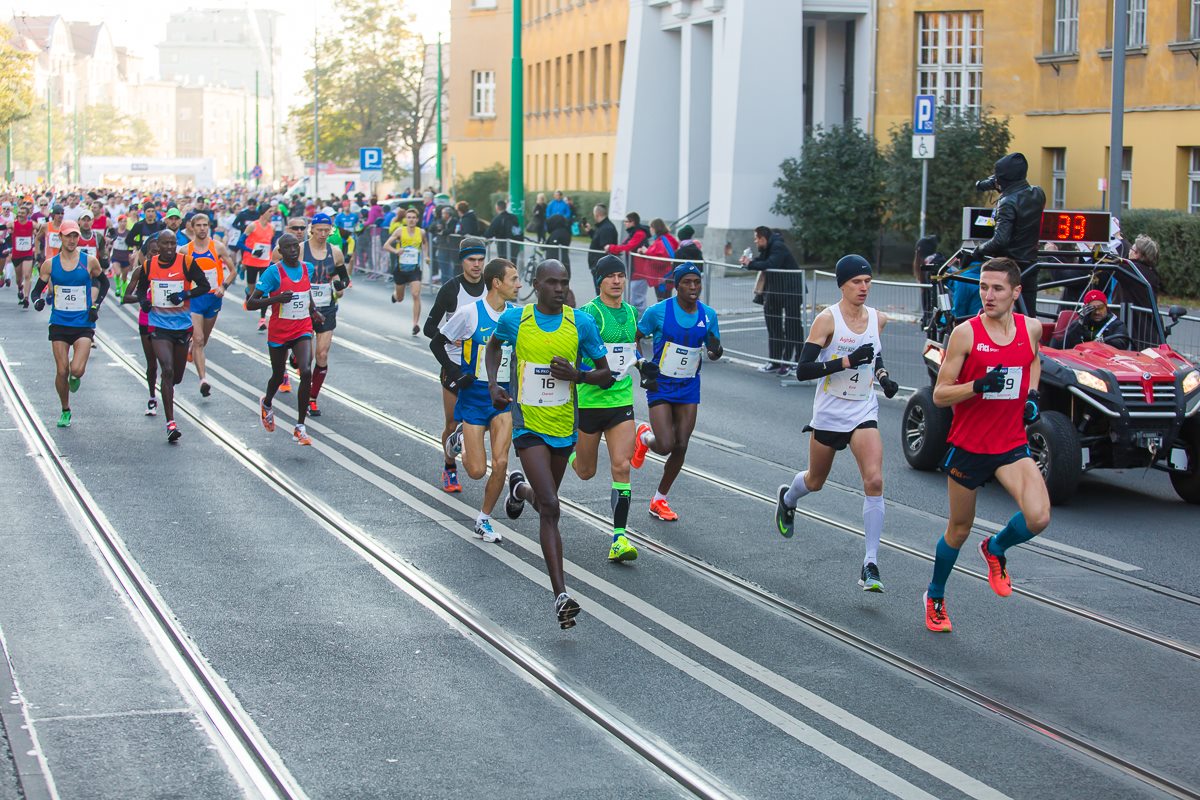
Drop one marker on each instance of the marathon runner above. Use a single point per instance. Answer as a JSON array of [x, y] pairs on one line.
[[844, 341], [989, 376], [119, 248], [50, 233], [409, 245], [610, 411], [91, 240], [462, 290], [472, 325], [75, 305], [213, 258], [330, 280], [174, 222], [165, 286], [141, 235], [23, 239], [286, 285], [256, 254], [681, 328], [548, 339]]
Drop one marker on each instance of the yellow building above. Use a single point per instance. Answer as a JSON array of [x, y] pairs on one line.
[[1046, 64], [574, 53]]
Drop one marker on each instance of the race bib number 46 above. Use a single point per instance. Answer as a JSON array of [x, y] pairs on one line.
[[70, 298]]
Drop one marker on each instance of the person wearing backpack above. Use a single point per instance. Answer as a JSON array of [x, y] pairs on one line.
[[657, 267]]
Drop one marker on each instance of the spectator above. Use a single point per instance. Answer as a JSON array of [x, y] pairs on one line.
[[604, 233], [558, 237], [537, 219], [922, 254], [783, 301], [558, 206], [662, 246], [446, 245], [429, 211], [1144, 256], [468, 223], [636, 235], [1094, 323], [964, 295], [505, 227]]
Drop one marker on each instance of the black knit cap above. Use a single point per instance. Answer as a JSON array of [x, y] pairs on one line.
[[607, 265], [851, 266]]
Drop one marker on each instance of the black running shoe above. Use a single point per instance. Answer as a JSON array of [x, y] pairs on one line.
[[869, 580], [785, 515], [513, 505], [567, 609], [205, 389]]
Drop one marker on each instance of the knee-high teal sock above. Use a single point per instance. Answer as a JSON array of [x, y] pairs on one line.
[[1014, 533], [943, 562]]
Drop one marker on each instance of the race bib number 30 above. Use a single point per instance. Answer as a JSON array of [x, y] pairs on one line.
[[678, 361], [540, 388], [1012, 385], [70, 298], [322, 295]]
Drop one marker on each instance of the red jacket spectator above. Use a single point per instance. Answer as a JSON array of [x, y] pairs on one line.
[[636, 235], [662, 247]]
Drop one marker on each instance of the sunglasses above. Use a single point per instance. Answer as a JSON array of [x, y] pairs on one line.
[[296, 227]]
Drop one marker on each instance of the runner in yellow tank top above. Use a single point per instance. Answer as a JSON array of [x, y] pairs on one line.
[[409, 245]]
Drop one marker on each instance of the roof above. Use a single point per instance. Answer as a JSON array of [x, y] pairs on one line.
[[84, 37], [38, 29]]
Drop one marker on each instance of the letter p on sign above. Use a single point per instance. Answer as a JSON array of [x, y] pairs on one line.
[[923, 111], [370, 158]]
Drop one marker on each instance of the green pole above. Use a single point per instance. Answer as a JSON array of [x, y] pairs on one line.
[[75, 142], [8, 170], [245, 140], [256, 153], [516, 152], [49, 133], [417, 178]]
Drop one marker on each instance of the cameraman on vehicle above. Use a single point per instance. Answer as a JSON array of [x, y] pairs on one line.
[[1018, 221], [1095, 323]]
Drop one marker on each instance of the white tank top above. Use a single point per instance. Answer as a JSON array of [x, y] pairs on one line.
[[846, 399]]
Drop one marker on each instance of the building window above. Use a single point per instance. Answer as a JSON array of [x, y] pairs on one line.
[[579, 57], [607, 74], [570, 65], [1195, 27], [592, 65], [1126, 175], [531, 95], [1058, 177], [604, 172], [1066, 26], [483, 93], [483, 4], [557, 84], [1194, 182], [620, 67], [1137, 24], [591, 181], [950, 58]]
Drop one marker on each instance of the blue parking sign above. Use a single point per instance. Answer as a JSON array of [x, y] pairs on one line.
[[923, 111], [370, 158]]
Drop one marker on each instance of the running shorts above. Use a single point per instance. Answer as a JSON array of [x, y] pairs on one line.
[[69, 333], [972, 470], [839, 440], [180, 337], [206, 305], [598, 420], [330, 321]]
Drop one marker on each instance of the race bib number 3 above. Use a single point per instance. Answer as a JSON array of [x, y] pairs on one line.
[[161, 290], [678, 361], [297, 308], [322, 294], [540, 388], [621, 358], [850, 384], [1012, 385], [70, 298]]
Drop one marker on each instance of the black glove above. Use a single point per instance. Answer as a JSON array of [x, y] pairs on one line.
[[175, 298], [145, 303], [1033, 411], [889, 386], [649, 371], [713, 343], [93, 313], [459, 381], [39, 303], [339, 286], [864, 354], [758, 299], [993, 381]]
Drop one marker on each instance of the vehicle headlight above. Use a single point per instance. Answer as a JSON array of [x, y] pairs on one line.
[[1191, 382], [1090, 381]]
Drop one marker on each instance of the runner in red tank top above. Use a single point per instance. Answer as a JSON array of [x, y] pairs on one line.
[[23, 246], [989, 376]]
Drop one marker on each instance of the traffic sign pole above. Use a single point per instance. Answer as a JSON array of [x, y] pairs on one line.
[[924, 191], [924, 111]]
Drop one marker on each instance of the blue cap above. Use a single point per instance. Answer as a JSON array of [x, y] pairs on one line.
[[686, 268], [321, 219]]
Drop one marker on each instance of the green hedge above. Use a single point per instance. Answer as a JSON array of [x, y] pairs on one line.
[[1178, 237]]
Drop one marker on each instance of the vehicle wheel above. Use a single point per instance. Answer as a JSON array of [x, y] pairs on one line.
[[1187, 486], [1055, 448], [923, 430]]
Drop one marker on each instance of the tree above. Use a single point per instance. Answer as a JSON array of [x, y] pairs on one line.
[[833, 193], [105, 131], [16, 79], [968, 145], [371, 94], [478, 188]]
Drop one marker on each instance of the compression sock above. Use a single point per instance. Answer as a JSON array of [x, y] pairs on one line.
[[797, 490], [318, 380], [647, 438], [1014, 533], [571, 459], [943, 562], [659, 496], [482, 518], [621, 495], [873, 526]]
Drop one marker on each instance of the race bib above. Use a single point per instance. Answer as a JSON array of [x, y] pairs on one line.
[[850, 384], [261, 250], [161, 290], [1012, 385], [70, 298], [296, 309], [621, 358], [410, 257], [678, 361], [85, 252], [322, 294], [211, 276], [53, 239], [119, 243], [24, 244], [540, 388], [503, 373]]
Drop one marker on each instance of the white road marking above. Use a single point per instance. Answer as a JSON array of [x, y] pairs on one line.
[[708, 437]]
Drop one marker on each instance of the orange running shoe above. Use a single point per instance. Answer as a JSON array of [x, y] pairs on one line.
[[936, 618], [286, 386], [639, 449], [660, 509], [301, 436], [997, 570], [189, 355], [268, 415]]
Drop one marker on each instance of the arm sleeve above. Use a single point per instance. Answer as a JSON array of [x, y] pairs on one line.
[[102, 282], [437, 346], [200, 284], [810, 368], [441, 306], [635, 241], [714, 326]]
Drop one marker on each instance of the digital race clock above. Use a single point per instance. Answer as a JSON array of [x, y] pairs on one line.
[[1085, 227]]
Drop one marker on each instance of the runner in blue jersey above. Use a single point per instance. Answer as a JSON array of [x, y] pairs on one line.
[[682, 329]]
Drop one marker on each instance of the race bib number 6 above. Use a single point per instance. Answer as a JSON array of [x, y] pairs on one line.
[[678, 361]]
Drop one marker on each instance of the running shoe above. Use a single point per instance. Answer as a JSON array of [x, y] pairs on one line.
[[639, 447], [313, 411], [936, 618], [453, 444], [450, 483], [997, 570], [262, 324], [394, 300], [73, 383], [25, 303], [20, 298], [869, 581], [7, 283], [268, 415], [784, 371], [785, 515], [286, 386], [514, 505], [567, 609], [768, 367], [173, 432], [622, 550], [416, 330], [205, 389], [151, 407], [485, 531], [300, 435], [660, 509], [64, 419], [189, 356]]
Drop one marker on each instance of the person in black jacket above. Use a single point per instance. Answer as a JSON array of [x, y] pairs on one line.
[[505, 227], [1018, 218], [604, 233], [558, 239], [784, 300], [468, 223], [1095, 323]]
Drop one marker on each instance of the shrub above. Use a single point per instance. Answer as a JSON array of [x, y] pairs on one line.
[[1178, 237], [478, 188]]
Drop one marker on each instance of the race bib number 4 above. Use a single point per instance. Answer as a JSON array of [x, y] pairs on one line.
[[1012, 385], [540, 388], [161, 290], [295, 309], [503, 374], [850, 384], [322, 294], [70, 298], [678, 361]]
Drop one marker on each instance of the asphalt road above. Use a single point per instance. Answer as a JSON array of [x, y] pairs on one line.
[[753, 661]]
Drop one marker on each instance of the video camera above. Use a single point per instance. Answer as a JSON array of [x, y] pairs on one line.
[[988, 184]]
